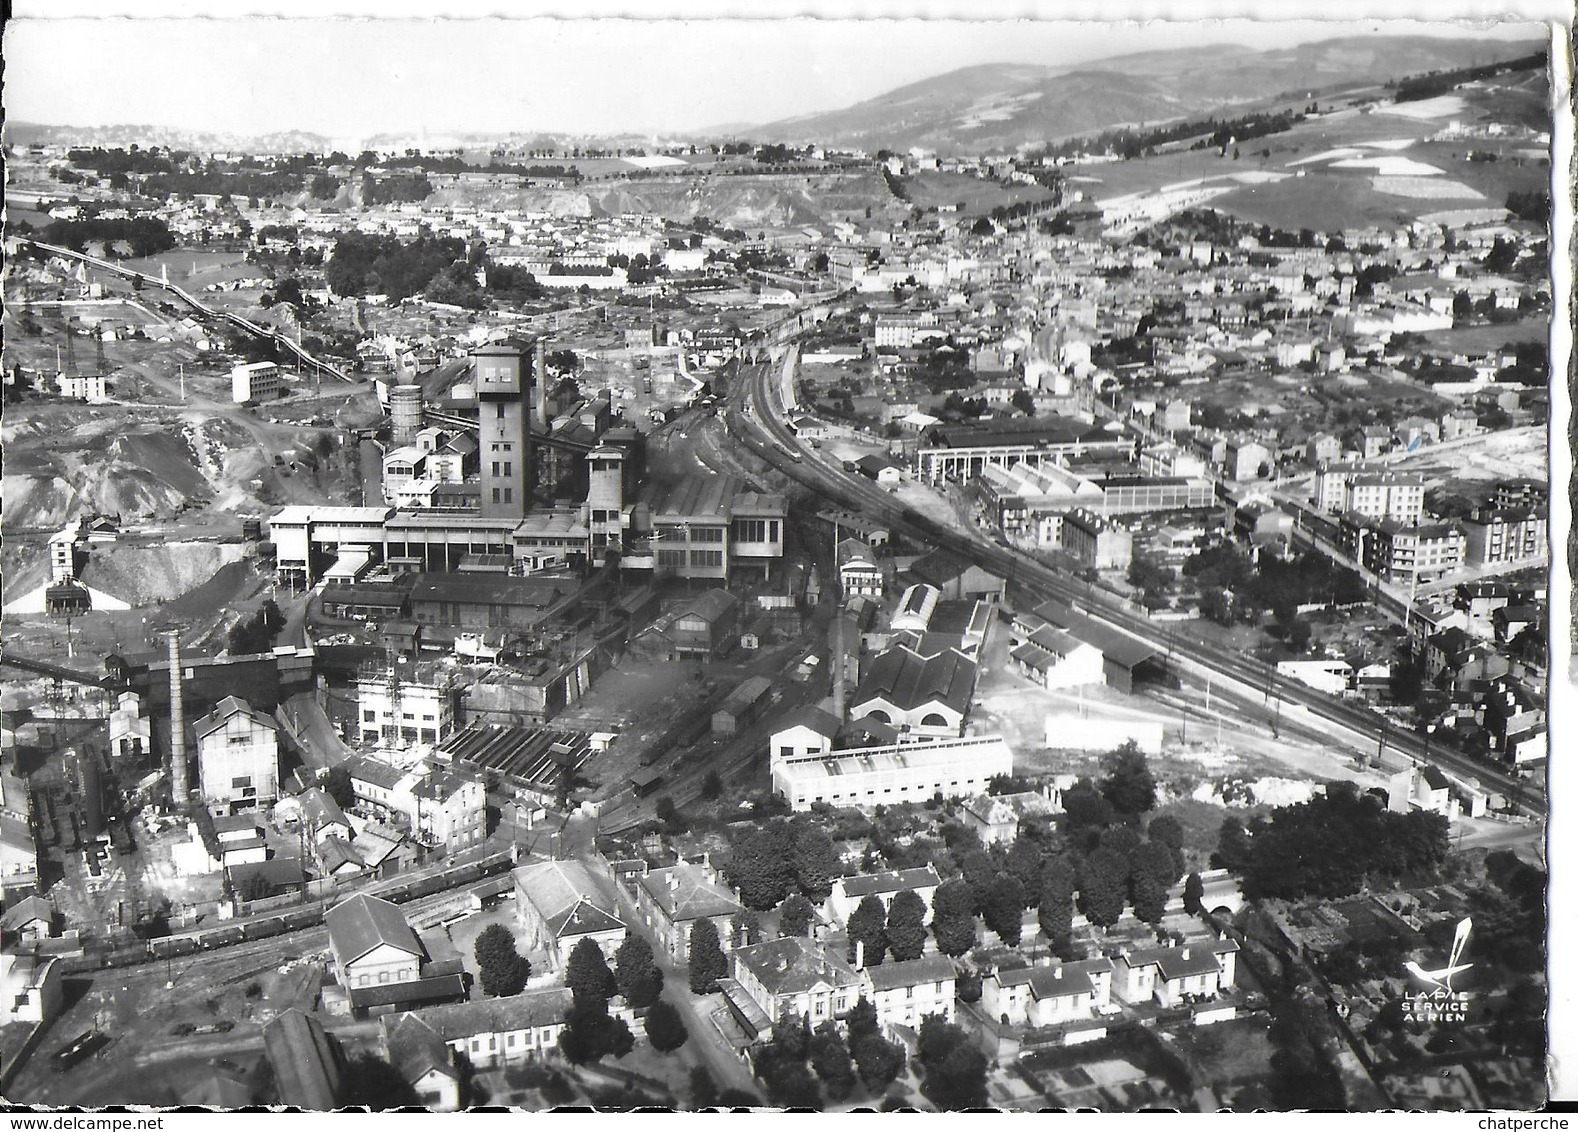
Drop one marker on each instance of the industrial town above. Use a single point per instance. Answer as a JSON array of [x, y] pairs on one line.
[[1006, 609]]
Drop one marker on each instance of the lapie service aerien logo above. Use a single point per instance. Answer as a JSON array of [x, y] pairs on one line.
[[1434, 998]]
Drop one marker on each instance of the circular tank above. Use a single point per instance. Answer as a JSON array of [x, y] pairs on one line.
[[405, 412]]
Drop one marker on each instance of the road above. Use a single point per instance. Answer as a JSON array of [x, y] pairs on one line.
[[759, 423]]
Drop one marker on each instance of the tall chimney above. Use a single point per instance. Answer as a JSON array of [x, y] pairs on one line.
[[178, 786], [540, 379], [837, 663]]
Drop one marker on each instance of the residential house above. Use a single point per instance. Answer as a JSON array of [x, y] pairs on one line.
[[995, 818], [670, 901], [907, 991], [1047, 994], [1095, 542], [849, 892], [795, 975], [858, 572], [496, 1032], [1175, 974], [1420, 788], [423, 1060]]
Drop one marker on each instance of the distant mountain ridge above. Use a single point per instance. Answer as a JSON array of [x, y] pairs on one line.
[[984, 108], [1002, 107]]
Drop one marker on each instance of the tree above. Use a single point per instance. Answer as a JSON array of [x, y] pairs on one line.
[[1194, 889], [703, 1089], [373, 1082], [978, 869], [253, 886], [502, 969], [1168, 830], [590, 1034], [762, 865], [906, 926], [1154, 860], [1232, 846], [1128, 783], [667, 812], [862, 1019], [587, 975], [1150, 898], [1025, 862], [955, 1065], [712, 786], [1005, 908], [795, 916], [831, 1060], [877, 1059], [707, 961], [868, 930], [1056, 907], [953, 918], [746, 928], [636, 972], [665, 1028], [815, 863], [1101, 888], [1024, 402]]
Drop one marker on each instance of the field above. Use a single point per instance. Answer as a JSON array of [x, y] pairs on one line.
[[1328, 198], [196, 268], [977, 196]]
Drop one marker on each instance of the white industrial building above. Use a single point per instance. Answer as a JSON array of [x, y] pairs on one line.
[[255, 381], [906, 772]]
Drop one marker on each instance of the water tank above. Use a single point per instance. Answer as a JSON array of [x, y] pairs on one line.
[[405, 412]]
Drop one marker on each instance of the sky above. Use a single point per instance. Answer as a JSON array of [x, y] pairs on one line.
[[351, 78]]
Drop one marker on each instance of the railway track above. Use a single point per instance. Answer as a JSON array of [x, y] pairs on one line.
[[757, 422]]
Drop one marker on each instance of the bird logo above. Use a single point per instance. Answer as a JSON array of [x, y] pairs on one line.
[[1442, 979]]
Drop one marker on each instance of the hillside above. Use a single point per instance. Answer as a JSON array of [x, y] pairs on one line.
[[993, 108]]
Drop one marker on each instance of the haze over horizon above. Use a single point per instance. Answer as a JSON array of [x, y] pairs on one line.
[[350, 80]]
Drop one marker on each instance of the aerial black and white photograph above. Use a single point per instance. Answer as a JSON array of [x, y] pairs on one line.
[[817, 564]]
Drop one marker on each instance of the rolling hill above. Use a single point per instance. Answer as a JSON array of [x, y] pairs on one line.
[[994, 108]]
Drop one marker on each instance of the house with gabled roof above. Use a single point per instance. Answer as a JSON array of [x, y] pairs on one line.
[[795, 975], [30, 919], [372, 943], [422, 1059], [1047, 994], [670, 901], [906, 991], [807, 730], [1171, 975], [499, 1031], [560, 903], [848, 892]]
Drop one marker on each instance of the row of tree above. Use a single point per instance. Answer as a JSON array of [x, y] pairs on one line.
[[1330, 846]]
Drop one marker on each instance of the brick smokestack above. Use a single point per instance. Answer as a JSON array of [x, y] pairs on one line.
[[178, 784]]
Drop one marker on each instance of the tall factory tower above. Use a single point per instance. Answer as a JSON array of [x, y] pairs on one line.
[[504, 378]]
